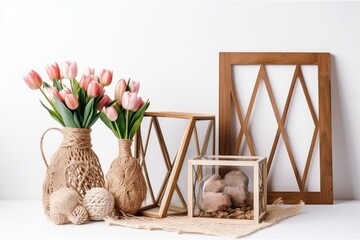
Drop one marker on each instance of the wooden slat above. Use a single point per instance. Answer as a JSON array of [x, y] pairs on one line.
[[185, 115], [283, 118], [224, 105], [236, 103], [174, 175], [282, 129], [272, 58], [296, 197], [325, 128], [248, 114]]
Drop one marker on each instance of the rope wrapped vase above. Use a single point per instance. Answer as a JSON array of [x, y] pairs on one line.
[[73, 165], [126, 181]]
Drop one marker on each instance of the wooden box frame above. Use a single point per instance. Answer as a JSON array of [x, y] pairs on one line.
[[259, 169], [161, 204], [228, 98]]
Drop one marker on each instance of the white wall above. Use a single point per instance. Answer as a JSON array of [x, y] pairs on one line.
[[172, 48]]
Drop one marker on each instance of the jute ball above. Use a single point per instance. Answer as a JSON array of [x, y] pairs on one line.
[[98, 202], [62, 203], [79, 215], [58, 218]]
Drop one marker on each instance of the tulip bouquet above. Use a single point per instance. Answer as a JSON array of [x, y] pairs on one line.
[[125, 115], [77, 104]]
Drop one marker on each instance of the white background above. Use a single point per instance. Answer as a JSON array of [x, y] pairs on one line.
[[172, 49]]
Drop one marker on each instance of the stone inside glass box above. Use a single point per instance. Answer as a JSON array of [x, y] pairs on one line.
[[227, 188]]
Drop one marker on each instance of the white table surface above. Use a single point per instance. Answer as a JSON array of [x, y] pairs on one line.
[[26, 220]]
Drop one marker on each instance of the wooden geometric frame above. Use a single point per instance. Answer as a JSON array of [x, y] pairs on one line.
[[160, 205], [322, 131]]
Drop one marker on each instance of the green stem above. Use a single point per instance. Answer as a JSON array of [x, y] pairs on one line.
[[51, 103], [127, 125], [118, 130]]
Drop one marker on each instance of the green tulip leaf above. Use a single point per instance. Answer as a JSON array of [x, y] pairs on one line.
[[77, 120], [137, 119], [57, 85], [93, 120], [138, 114], [82, 100], [109, 124], [88, 112], [74, 85], [53, 114], [110, 103], [65, 113]]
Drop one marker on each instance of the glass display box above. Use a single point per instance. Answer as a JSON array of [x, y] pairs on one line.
[[227, 187]]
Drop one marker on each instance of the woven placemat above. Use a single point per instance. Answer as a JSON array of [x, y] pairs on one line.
[[184, 224]]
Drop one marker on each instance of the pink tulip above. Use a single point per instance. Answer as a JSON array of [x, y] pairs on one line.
[[71, 101], [69, 70], [55, 93], [53, 71], [65, 91], [85, 81], [131, 102], [33, 80], [105, 77], [94, 89], [103, 102], [134, 86], [89, 72], [111, 113], [119, 91]]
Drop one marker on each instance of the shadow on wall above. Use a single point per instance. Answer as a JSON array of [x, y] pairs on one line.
[[342, 158]]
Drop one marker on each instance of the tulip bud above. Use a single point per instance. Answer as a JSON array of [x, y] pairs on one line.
[[131, 102], [71, 101], [94, 89], [105, 77], [65, 91], [111, 113], [103, 102], [85, 81], [33, 80], [134, 86], [119, 91], [69, 70], [53, 71]]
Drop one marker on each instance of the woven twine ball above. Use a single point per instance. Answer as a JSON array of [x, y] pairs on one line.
[[58, 218], [98, 202], [79, 215], [62, 203]]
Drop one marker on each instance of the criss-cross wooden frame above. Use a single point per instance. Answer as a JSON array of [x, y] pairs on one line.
[[160, 205], [228, 100]]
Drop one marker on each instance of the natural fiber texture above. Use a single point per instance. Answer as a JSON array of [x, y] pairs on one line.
[[62, 204], [98, 202], [79, 215], [126, 181], [74, 165], [231, 213], [220, 227]]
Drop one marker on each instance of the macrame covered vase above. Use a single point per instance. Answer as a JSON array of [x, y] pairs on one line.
[[73, 165], [126, 181]]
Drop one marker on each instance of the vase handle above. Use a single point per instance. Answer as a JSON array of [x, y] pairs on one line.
[[41, 144]]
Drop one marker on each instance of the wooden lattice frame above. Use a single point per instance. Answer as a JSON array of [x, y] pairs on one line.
[[228, 98], [160, 205]]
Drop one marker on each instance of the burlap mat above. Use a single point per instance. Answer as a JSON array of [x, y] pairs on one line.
[[184, 224]]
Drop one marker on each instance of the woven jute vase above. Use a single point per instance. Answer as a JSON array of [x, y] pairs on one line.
[[74, 165], [126, 181]]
